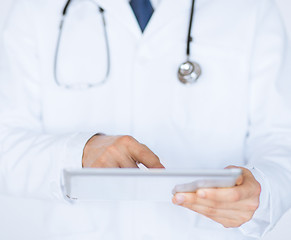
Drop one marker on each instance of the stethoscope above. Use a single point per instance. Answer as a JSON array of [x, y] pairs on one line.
[[188, 72]]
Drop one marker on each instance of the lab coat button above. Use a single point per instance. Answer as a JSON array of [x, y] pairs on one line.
[[143, 55]]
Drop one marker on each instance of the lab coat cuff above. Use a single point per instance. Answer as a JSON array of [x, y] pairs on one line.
[[259, 225], [75, 147], [72, 158]]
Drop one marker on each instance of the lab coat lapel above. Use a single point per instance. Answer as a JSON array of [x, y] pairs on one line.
[[122, 12], [166, 13]]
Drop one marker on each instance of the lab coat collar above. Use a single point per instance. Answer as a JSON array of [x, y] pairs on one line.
[[164, 14], [121, 10]]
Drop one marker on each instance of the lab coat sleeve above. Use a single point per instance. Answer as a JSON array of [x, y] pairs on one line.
[[269, 141], [31, 160]]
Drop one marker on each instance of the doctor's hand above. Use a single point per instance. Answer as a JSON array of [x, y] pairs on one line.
[[103, 151], [230, 207]]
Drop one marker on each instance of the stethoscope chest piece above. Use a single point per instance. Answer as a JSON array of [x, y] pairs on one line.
[[189, 72]]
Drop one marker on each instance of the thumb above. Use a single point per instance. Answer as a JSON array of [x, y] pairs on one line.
[[240, 179]]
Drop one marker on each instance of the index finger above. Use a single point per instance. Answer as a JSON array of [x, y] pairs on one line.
[[141, 153], [232, 194]]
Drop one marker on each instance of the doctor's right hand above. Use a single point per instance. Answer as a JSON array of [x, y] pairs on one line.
[[103, 151]]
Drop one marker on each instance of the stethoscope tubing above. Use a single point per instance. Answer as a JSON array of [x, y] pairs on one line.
[[184, 76], [56, 58], [189, 36]]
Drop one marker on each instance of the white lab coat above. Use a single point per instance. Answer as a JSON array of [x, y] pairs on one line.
[[234, 115]]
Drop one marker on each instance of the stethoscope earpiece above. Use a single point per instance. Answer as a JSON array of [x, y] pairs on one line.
[[189, 72]]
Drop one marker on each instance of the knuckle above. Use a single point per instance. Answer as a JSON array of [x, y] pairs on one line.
[[191, 198], [225, 225], [235, 196], [234, 224], [125, 140], [102, 161], [228, 224], [245, 218], [253, 206], [112, 149], [210, 211], [210, 194]]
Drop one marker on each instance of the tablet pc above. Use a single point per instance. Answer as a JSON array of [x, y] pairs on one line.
[[92, 184]]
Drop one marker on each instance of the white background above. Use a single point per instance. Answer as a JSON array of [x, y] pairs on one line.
[[283, 230]]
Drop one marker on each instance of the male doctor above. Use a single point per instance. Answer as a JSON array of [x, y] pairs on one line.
[[130, 107]]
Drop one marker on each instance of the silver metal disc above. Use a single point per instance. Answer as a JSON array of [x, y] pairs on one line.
[[189, 72]]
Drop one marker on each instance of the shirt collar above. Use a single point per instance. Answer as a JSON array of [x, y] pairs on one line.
[[154, 3]]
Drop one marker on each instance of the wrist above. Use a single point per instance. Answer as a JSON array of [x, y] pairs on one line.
[[86, 144]]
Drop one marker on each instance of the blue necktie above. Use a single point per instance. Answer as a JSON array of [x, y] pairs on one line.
[[143, 11]]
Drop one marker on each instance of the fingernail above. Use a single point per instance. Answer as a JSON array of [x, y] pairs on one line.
[[201, 194], [179, 199]]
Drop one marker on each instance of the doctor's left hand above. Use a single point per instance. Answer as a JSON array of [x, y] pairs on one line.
[[230, 207]]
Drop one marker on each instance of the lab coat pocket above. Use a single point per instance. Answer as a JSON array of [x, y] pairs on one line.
[[211, 116], [220, 92]]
